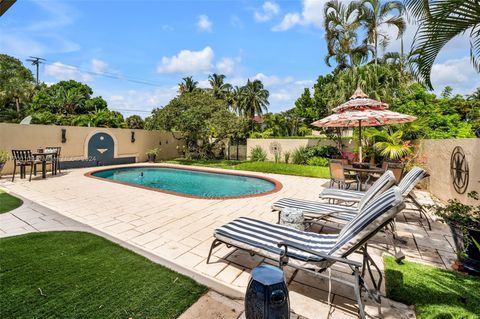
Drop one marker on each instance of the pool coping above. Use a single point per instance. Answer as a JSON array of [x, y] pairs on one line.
[[277, 185]]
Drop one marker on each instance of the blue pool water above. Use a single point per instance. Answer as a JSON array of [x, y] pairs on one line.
[[189, 182]]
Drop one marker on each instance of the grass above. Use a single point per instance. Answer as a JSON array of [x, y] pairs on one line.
[[263, 167], [8, 202], [80, 275], [436, 293]]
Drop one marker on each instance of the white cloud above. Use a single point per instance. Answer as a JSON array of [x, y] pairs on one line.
[[289, 20], [204, 23], [61, 71], [236, 22], [457, 73], [135, 100], [187, 61], [312, 14], [269, 10], [271, 80], [99, 66], [227, 65]]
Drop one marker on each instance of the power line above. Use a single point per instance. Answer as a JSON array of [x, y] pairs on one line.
[[104, 74]]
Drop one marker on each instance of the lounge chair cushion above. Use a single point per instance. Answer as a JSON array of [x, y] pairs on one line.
[[376, 213], [316, 208], [342, 194], [383, 183], [263, 237], [411, 179]]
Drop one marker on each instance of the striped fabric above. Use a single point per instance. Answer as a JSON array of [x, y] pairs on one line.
[[315, 208], [342, 194], [263, 237], [381, 209], [345, 212], [383, 183], [411, 179]]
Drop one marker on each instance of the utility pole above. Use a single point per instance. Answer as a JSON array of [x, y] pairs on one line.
[[36, 61]]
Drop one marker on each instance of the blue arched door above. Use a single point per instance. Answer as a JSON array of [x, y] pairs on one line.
[[101, 149]]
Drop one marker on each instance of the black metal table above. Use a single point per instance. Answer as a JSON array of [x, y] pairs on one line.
[[363, 174], [43, 157]]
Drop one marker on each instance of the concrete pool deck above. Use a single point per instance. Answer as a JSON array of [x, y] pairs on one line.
[[177, 232]]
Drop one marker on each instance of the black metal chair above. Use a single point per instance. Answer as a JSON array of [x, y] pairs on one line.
[[23, 158], [55, 158]]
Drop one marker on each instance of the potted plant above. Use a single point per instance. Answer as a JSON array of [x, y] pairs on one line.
[[464, 221], [3, 160], [152, 154]]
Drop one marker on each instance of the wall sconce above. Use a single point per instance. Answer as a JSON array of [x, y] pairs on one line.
[[64, 135], [133, 137], [166, 142], [160, 143]]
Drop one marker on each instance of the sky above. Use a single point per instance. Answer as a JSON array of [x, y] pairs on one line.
[[134, 53]]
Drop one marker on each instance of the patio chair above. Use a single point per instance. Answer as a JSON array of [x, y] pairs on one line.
[[337, 175], [313, 252], [55, 158], [23, 158], [406, 185], [322, 210]]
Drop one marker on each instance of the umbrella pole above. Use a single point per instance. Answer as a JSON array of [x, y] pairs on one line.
[[360, 140]]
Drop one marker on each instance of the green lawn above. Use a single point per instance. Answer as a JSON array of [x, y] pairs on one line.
[[264, 167], [79, 275], [8, 202], [436, 293]]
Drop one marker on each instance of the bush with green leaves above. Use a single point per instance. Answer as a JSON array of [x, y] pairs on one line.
[[287, 157], [317, 161], [258, 154], [327, 151], [3, 157], [300, 155]]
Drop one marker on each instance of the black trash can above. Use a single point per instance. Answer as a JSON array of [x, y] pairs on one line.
[[267, 294]]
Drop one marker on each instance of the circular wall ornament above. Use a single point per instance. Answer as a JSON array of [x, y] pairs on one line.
[[275, 148], [459, 170]]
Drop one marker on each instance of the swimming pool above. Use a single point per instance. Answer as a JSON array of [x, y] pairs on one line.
[[190, 182]]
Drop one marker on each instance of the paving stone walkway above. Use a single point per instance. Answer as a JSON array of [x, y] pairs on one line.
[[177, 232]]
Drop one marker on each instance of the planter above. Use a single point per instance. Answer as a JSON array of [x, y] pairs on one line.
[[468, 256], [152, 157]]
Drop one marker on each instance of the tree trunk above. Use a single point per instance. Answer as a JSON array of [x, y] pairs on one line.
[[17, 104]]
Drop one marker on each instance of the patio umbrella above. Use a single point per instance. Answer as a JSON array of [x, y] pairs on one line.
[[362, 111]]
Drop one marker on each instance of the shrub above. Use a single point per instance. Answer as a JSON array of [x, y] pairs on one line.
[[3, 157], [277, 156], [327, 151], [287, 157], [317, 161], [300, 155], [256, 135], [258, 154]]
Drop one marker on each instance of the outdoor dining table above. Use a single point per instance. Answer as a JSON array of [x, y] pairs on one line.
[[364, 174], [43, 157]]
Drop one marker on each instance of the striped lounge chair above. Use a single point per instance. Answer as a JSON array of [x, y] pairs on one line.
[[321, 210], [315, 252], [406, 185]]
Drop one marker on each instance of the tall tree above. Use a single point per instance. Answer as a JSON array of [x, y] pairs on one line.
[[341, 26], [255, 98], [375, 15], [219, 88], [188, 85], [440, 21], [236, 100], [134, 122]]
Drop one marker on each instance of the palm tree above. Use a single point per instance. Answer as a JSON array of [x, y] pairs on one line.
[[474, 96], [236, 100], [440, 22], [392, 145], [218, 89], [341, 25], [69, 100], [375, 14], [188, 85], [255, 98]]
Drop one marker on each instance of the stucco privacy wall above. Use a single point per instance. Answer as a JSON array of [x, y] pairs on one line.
[[438, 153], [17, 136], [289, 145]]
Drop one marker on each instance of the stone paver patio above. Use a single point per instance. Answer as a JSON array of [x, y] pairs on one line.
[[177, 232]]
